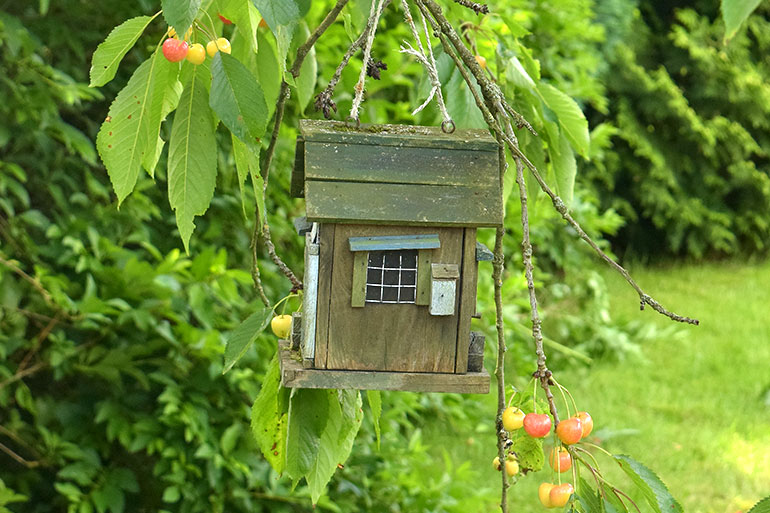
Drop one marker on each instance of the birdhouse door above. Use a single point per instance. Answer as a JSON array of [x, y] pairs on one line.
[[380, 283]]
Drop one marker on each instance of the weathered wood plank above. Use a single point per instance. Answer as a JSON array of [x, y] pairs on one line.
[[395, 135], [476, 352], [392, 242], [296, 331], [325, 267], [467, 299], [423, 277], [425, 205], [392, 337], [293, 375], [358, 292], [310, 298], [397, 164], [298, 173]]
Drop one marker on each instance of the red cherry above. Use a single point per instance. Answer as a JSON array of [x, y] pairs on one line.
[[586, 421], [570, 431], [537, 425], [224, 20], [175, 50], [560, 495]]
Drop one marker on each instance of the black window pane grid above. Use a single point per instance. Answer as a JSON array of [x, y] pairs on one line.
[[391, 277]]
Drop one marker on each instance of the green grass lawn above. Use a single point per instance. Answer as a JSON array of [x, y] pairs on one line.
[[696, 408]]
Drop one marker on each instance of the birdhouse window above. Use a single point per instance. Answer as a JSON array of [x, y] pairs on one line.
[[391, 277]]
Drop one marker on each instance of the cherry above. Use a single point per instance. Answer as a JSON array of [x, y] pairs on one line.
[[513, 418], [220, 45], [560, 494], [560, 459], [511, 467], [544, 493], [587, 421], [174, 50], [496, 463], [537, 425], [224, 20], [281, 326], [570, 430], [196, 54]]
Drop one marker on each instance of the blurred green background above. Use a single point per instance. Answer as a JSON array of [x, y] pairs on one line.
[[111, 338]]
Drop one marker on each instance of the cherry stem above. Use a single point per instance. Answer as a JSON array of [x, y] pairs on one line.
[[204, 29], [564, 389], [564, 397], [213, 29], [605, 451], [534, 396]]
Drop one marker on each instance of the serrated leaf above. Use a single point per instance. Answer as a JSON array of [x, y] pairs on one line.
[[762, 506], [283, 12], [654, 491], [588, 498], [170, 101], [571, 119], [192, 160], [375, 406], [244, 335], [735, 12], [131, 128], [342, 425], [237, 98], [180, 13], [109, 53], [461, 104], [269, 417], [530, 452], [612, 503], [246, 17], [246, 163], [308, 415], [564, 169], [267, 64], [307, 74], [516, 73]]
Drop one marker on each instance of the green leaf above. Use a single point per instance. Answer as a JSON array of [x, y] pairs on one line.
[[237, 98], [516, 73], [269, 417], [461, 104], [375, 406], [308, 415], [564, 168], [530, 452], [735, 13], [571, 119], [230, 438], [762, 506], [131, 128], [171, 494], [588, 498], [307, 74], [267, 64], [247, 163], [110, 52], [246, 18], [344, 421], [654, 491], [170, 102], [180, 13], [192, 158], [245, 335], [612, 503], [282, 12]]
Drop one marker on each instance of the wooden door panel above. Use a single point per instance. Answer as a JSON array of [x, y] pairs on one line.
[[393, 337]]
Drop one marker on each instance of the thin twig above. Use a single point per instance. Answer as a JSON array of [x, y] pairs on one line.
[[19, 459], [23, 374], [255, 274], [497, 104], [476, 7], [35, 282], [283, 95]]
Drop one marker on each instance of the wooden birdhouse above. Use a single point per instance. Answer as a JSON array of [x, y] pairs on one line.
[[391, 257]]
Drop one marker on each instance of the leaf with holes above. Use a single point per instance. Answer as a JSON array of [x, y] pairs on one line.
[[130, 131], [571, 119], [192, 157], [653, 490], [109, 53], [735, 12], [237, 99], [270, 416], [342, 425], [530, 452], [245, 335], [180, 14]]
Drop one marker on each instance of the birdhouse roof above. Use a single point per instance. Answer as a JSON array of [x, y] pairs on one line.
[[396, 174]]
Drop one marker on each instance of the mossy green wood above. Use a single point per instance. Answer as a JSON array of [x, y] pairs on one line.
[[402, 204]]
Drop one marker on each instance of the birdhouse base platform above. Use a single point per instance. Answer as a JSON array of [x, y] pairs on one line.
[[295, 375]]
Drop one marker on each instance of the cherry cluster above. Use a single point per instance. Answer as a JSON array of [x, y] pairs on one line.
[[175, 49], [538, 425]]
